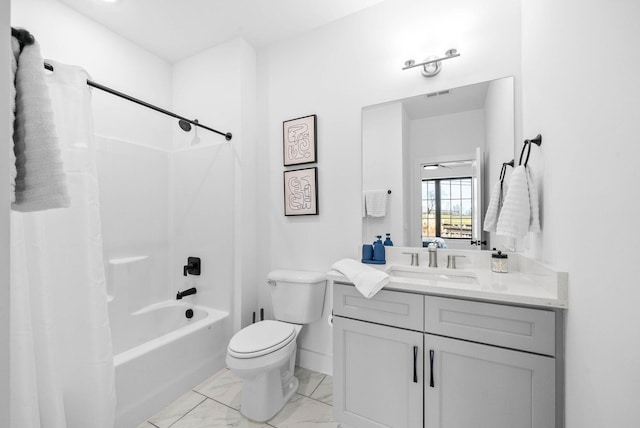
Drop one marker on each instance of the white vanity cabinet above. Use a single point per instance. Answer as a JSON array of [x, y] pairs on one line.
[[378, 369], [411, 360], [368, 395], [482, 386]]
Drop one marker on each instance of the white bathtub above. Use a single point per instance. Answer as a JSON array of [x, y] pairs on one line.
[[159, 354]]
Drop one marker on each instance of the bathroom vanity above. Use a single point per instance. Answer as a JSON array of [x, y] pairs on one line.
[[451, 348]]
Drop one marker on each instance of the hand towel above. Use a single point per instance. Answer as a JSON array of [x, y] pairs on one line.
[[534, 203], [495, 206], [516, 212], [376, 203], [368, 281], [40, 181], [15, 51]]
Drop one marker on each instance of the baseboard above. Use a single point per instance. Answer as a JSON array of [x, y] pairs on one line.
[[315, 361]]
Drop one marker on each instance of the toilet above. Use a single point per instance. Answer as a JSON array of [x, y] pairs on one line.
[[263, 354]]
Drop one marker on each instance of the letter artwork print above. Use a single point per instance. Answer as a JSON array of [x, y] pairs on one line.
[[299, 140], [300, 192]]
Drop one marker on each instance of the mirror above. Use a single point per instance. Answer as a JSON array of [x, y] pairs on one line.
[[437, 156]]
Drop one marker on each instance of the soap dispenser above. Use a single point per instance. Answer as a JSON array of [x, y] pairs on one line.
[[378, 251], [388, 242]]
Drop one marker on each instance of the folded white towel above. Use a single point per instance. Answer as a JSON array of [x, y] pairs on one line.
[[40, 181], [534, 203], [376, 202], [516, 212], [15, 51], [495, 206], [368, 281]]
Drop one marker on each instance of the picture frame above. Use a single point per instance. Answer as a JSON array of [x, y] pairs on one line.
[[301, 192], [299, 141]]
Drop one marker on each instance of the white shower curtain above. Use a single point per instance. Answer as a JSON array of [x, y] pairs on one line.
[[62, 373]]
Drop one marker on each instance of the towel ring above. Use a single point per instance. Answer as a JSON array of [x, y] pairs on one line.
[[524, 147], [537, 141], [503, 171]]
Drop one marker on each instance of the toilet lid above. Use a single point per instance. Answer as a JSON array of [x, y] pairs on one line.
[[261, 338]]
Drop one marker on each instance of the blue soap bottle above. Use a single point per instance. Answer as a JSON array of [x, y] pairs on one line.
[[378, 250], [388, 242]]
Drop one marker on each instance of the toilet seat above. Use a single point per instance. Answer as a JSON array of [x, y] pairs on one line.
[[261, 338]]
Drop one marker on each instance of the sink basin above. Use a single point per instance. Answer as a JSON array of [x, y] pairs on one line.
[[433, 274]]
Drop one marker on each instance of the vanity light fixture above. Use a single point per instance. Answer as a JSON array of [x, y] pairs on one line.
[[430, 167], [431, 65]]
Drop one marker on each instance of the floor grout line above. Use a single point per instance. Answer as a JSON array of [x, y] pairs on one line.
[[191, 410], [317, 386]]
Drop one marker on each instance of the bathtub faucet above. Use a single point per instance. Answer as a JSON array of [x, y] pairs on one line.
[[188, 292]]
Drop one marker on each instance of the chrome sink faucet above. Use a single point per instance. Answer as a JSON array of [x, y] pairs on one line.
[[414, 259], [432, 249]]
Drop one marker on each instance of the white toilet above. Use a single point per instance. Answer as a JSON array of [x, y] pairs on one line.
[[264, 354]]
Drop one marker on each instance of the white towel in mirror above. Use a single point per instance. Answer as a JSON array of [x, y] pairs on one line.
[[376, 203]]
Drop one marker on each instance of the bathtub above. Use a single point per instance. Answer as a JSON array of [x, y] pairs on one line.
[[159, 354]]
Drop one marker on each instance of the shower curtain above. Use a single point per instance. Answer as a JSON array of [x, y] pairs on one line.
[[62, 373]]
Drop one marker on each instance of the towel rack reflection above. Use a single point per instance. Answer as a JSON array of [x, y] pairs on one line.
[[503, 171]]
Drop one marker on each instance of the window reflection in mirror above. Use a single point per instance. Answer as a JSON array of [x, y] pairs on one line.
[[447, 209]]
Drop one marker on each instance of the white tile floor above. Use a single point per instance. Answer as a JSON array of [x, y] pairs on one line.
[[216, 403]]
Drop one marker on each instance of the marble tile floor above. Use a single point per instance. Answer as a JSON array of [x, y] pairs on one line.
[[216, 403]]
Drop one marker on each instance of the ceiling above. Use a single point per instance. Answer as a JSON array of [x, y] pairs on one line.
[[176, 29], [456, 100]]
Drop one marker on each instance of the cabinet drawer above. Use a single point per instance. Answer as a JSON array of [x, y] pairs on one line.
[[392, 308], [525, 329]]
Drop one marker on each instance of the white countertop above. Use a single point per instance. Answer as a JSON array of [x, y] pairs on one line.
[[528, 282]]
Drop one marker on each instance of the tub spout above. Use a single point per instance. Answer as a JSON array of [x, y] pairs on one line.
[[187, 292]]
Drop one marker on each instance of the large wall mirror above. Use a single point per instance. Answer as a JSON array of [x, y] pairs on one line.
[[436, 156]]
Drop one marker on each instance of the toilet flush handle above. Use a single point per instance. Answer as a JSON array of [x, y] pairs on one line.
[[271, 282]]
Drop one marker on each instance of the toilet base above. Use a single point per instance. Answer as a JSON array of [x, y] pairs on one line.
[[266, 389], [265, 395]]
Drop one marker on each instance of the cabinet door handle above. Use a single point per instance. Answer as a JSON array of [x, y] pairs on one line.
[[431, 356], [415, 364]]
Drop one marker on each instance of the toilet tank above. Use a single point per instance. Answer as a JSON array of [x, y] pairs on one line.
[[297, 296]]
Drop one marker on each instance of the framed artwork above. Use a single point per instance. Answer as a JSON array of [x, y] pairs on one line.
[[299, 140], [301, 192]]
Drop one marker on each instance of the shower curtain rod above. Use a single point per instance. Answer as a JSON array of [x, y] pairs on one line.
[[182, 120], [25, 38]]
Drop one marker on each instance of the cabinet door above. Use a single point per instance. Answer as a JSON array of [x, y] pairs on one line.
[[472, 385], [377, 375]]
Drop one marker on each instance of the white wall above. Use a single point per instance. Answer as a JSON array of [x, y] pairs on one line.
[[213, 181], [588, 169], [6, 129], [499, 141], [335, 71], [449, 135], [382, 129], [134, 204]]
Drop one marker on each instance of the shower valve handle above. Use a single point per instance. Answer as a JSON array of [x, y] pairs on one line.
[[192, 267]]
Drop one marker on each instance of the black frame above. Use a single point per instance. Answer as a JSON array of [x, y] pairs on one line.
[[314, 134], [314, 191], [438, 212]]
